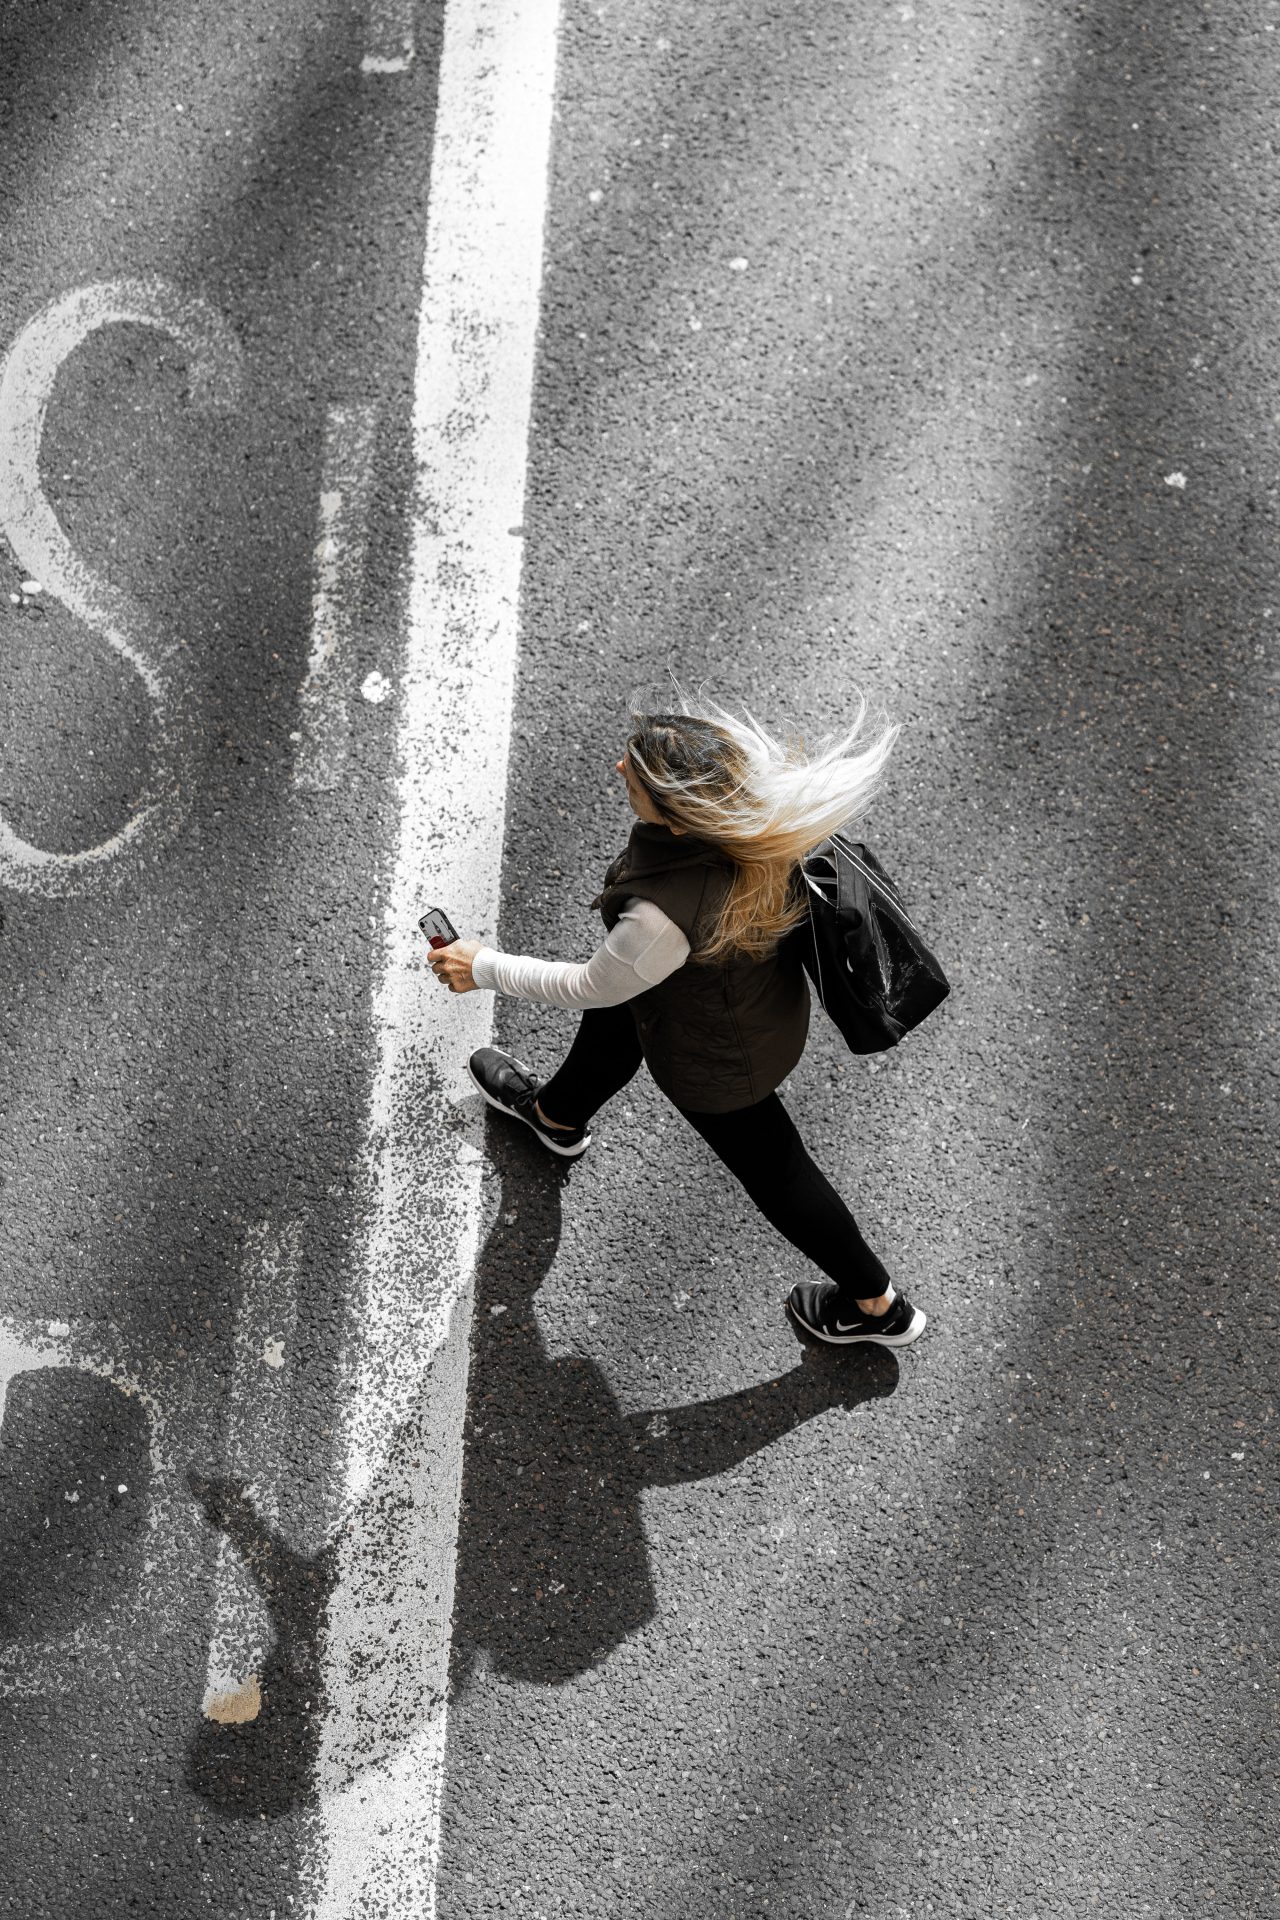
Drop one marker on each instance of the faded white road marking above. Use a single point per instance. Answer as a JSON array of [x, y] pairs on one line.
[[22, 1351], [257, 1421], [382, 1746], [39, 544], [53, 1666], [339, 557], [390, 36]]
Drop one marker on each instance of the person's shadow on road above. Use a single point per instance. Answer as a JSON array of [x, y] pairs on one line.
[[553, 1565]]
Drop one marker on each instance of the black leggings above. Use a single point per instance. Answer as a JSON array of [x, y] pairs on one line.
[[759, 1144]]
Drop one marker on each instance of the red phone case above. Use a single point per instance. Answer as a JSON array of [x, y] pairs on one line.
[[433, 924]]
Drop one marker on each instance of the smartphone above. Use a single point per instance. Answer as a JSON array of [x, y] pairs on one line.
[[438, 927]]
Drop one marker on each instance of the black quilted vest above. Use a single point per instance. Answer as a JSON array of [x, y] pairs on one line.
[[714, 1037]]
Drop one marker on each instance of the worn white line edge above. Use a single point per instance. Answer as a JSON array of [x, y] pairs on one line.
[[255, 1450], [341, 541], [380, 1768], [390, 26]]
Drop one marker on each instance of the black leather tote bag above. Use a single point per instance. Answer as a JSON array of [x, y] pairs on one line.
[[869, 966]]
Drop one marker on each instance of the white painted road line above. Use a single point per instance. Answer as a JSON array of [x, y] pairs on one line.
[[39, 544], [382, 1746], [390, 36], [257, 1419], [324, 719]]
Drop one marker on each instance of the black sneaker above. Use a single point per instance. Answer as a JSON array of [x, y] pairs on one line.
[[511, 1087], [821, 1308]]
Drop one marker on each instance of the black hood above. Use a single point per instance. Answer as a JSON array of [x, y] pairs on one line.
[[653, 848]]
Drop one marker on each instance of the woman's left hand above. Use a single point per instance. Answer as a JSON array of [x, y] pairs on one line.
[[452, 964]]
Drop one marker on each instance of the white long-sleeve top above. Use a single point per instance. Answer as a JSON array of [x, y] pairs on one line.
[[643, 947]]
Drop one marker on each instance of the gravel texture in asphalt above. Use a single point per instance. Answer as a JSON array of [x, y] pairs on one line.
[[927, 351]]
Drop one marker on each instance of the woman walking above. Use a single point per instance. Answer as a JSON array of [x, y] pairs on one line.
[[691, 978]]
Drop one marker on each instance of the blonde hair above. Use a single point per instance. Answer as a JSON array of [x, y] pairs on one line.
[[728, 781]]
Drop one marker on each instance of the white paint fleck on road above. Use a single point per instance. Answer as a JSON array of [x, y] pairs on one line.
[[39, 544], [389, 36], [387, 1650], [256, 1441], [339, 561], [375, 687]]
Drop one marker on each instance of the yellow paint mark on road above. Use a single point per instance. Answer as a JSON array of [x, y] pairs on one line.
[[234, 1708]]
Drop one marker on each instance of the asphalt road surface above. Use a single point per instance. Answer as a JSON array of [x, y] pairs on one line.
[[394, 1520]]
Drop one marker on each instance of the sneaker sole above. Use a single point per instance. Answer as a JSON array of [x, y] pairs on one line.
[[565, 1153], [912, 1332]]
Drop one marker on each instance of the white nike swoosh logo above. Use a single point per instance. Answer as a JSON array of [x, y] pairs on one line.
[[847, 1326]]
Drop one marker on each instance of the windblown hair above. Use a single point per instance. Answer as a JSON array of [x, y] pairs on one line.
[[729, 782]]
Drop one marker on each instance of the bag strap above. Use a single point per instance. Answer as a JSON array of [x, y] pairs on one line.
[[884, 886], [813, 932]]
